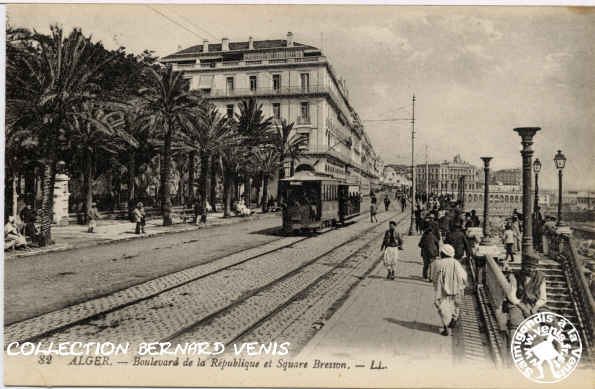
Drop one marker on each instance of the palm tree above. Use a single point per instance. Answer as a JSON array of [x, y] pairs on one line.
[[232, 159], [253, 127], [266, 163], [288, 144], [93, 132], [207, 132], [169, 101], [137, 123], [46, 79]]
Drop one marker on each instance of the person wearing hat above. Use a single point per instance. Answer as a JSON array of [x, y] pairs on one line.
[[138, 216], [527, 294], [431, 223], [450, 280], [92, 215], [391, 244]]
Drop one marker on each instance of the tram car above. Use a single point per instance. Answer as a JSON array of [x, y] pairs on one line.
[[314, 200]]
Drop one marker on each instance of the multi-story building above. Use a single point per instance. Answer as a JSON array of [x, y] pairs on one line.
[[292, 81], [506, 176], [445, 177], [394, 179]]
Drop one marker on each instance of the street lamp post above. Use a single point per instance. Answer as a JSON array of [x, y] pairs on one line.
[[486, 193], [560, 161], [536, 220], [527, 134], [411, 226], [536, 169]]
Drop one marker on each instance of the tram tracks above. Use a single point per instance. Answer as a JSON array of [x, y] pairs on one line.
[[124, 314], [290, 306]]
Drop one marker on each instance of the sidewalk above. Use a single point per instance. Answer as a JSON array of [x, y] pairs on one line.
[[389, 320], [74, 236]]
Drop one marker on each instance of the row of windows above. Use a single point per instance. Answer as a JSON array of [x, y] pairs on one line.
[[330, 192], [334, 170], [304, 111], [304, 82]]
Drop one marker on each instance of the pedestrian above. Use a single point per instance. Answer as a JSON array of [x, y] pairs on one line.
[[386, 203], [403, 204], [508, 239], [450, 280], [474, 219], [391, 244], [418, 219], [93, 216], [430, 222], [28, 217], [516, 228], [373, 208], [12, 237], [527, 294], [139, 218], [430, 248], [458, 240]]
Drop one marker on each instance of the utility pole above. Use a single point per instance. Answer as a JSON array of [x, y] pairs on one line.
[[427, 174], [411, 227]]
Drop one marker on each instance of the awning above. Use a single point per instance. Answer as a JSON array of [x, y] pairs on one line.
[[205, 82]]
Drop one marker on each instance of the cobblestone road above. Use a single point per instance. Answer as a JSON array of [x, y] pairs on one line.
[[174, 310], [44, 283]]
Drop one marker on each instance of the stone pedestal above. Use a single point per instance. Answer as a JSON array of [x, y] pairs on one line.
[[61, 196]]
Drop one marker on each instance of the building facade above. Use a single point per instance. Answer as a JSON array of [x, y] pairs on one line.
[[395, 179], [506, 177], [293, 82], [446, 177]]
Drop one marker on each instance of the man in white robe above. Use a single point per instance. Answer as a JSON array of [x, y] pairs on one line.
[[450, 280]]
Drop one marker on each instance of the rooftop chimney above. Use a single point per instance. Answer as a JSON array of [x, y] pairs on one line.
[[225, 44], [290, 39], [205, 46], [250, 43]]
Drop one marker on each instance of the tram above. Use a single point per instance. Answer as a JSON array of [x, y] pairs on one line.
[[314, 200]]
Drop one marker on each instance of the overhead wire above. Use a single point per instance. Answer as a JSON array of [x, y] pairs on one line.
[[193, 24], [174, 22]]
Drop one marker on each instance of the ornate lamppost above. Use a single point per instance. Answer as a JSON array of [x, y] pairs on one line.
[[536, 169], [527, 134], [486, 194], [560, 161], [536, 219]]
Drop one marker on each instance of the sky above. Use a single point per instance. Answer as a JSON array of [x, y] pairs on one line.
[[477, 72]]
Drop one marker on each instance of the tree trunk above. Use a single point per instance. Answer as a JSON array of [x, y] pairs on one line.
[[204, 185], [47, 200], [227, 192], [213, 184], [265, 193], [131, 183], [281, 173], [191, 167], [165, 173], [292, 168], [87, 186]]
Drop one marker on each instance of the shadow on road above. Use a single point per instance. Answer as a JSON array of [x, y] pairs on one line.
[[414, 325]]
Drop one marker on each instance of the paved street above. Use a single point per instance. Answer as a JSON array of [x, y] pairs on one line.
[[170, 304], [43, 283]]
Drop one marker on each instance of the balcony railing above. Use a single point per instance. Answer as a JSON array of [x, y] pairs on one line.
[[303, 120], [260, 91]]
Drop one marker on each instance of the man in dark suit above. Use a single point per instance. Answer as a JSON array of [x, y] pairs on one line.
[[459, 241]]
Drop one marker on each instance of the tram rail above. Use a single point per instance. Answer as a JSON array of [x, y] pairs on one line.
[[32, 329]]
